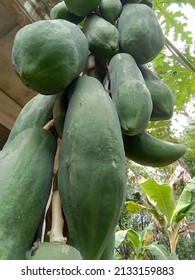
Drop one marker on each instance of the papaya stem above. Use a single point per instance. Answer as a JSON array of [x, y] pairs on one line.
[[49, 126], [174, 50], [56, 233]]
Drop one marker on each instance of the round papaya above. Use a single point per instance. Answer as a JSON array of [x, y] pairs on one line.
[[82, 7], [140, 32], [48, 54], [102, 37], [110, 9], [60, 11]]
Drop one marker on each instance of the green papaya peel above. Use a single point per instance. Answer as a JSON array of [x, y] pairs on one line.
[[110, 9], [91, 175], [36, 113], [102, 37], [82, 7], [140, 33], [25, 182], [59, 111], [148, 150], [48, 64], [60, 11], [108, 253], [162, 97], [129, 93], [54, 251]]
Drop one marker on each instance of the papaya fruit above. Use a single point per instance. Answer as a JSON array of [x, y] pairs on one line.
[[108, 253], [48, 64], [53, 251], [140, 33], [25, 182], [82, 7], [162, 97], [60, 11], [148, 150], [36, 113], [149, 3], [110, 9], [59, 112], [102, 37], [124, 2], [91, 174], [129, 93]]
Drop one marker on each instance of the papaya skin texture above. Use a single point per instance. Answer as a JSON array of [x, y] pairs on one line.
[[142, 37], [60, 11], [110, 9], [25, 182], [82, 7], [36, 113], [162, 97], [129, 93], [148, 150], [91, 176], [54, 251], [104, 42], [48, 54]]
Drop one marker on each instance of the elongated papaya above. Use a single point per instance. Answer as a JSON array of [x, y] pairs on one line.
[[148, 150], [140, 33], [53, 251], [82, 7], [108, 253], [36, 113], [102, 37], [91, 175], [60, 11], [59, 112], [47, 55], [110, 9], [130, 94], [26, 172], [162, 97]]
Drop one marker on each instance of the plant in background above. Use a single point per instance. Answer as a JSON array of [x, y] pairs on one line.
[[167, 213]]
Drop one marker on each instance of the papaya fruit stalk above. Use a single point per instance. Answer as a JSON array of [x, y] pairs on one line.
[[56, 233]]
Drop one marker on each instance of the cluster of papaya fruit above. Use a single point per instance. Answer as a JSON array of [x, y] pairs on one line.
[[88, 64]]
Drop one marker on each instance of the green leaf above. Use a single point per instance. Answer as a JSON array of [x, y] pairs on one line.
[[133, 208], [120, 237], [184, 202], [160, 195], [134, 238], [160, 252]]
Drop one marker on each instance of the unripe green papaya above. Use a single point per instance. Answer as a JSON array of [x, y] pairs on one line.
[[36, 113], [60, 11], [102, 37], [59, 112], [140, 33], [110, 9], [148, 150], [82, 7], [48, 55], [129, 92], [108, 253], [26, 173], [149, 3], [91, 175], [54, 251], [162, 97], [129, 1]]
